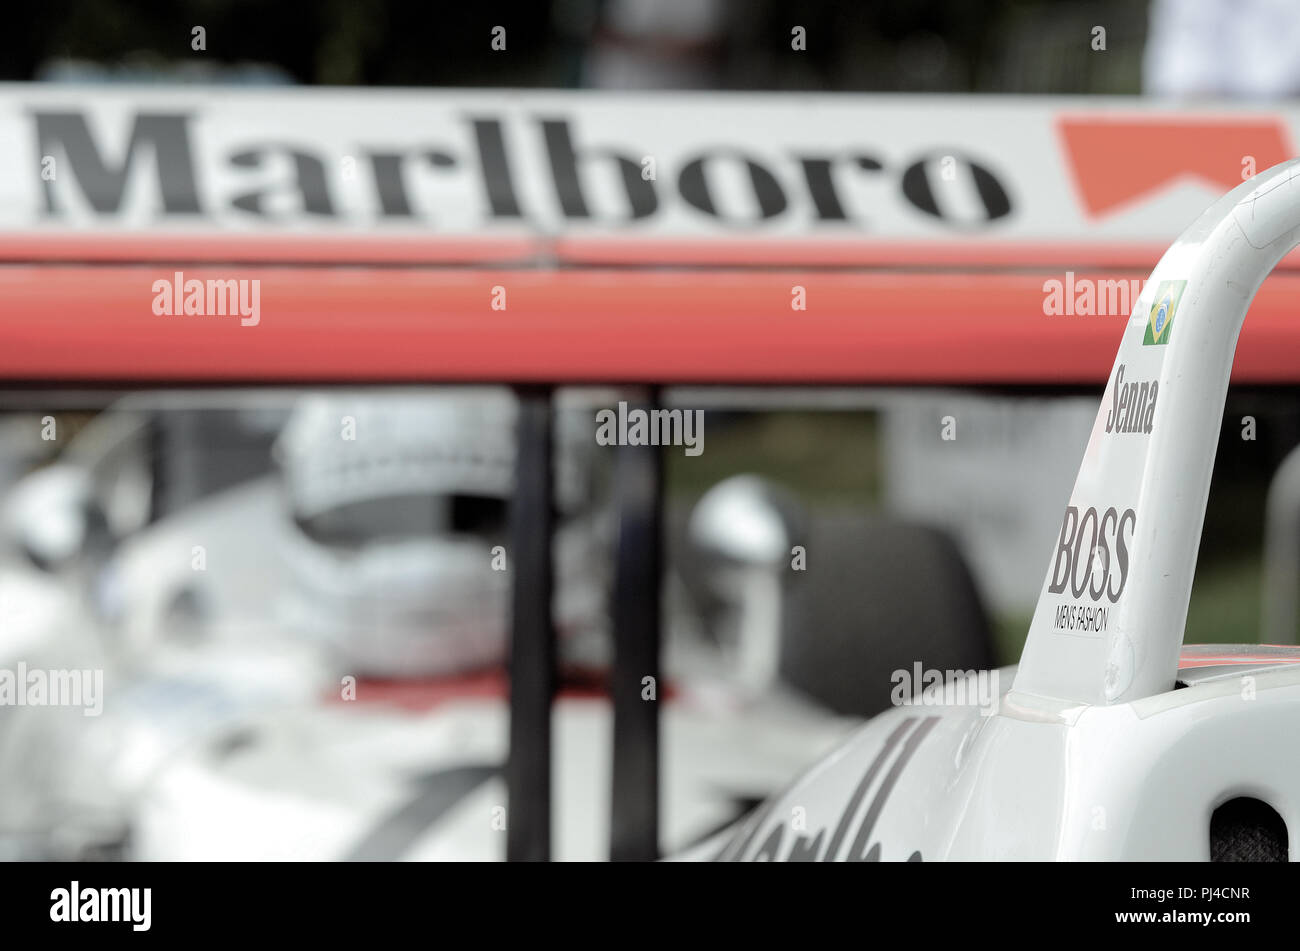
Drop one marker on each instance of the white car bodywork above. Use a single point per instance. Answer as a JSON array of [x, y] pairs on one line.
[[340, 782], [1096, 750], [1131, 781]]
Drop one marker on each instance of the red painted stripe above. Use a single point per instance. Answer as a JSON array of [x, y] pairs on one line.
[[1234, 661], [1209, 655], [119, 247], [95, 323], [864, 253], [415, 250], [428, 692]]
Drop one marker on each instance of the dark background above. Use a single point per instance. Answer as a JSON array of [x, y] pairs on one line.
[[1026, 46]]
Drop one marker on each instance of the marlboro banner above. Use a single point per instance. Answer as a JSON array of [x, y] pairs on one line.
[[864, 170], [172, 235]]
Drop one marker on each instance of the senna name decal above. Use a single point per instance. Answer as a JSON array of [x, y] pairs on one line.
[[1133, 405], [826, 845]]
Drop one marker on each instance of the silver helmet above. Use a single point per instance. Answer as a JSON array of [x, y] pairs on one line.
[[400, 553]]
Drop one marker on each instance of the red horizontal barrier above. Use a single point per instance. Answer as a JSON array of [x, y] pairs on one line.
[[546, 252], [70, 323]]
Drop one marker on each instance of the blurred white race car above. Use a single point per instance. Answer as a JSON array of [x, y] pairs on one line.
[[308, 664]]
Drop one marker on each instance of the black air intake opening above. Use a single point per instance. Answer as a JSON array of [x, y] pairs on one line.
[[1247, 830]]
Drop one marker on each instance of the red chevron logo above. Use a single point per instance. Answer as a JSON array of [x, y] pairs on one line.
[[1117, 159]]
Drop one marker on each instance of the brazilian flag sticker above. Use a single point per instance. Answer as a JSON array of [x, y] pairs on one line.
[[1161, 323]]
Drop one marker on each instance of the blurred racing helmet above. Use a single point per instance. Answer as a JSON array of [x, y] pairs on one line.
[[399, 502]]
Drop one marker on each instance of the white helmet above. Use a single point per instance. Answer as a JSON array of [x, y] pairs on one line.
[[400, 500]]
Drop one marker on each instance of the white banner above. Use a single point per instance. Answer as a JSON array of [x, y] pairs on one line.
[[707, 166]]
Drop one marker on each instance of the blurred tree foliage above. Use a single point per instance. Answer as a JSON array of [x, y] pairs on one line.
[[1030, 46]]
